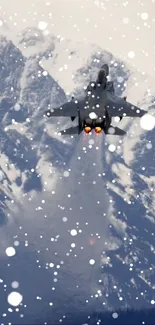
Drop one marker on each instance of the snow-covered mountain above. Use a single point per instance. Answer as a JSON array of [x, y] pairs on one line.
[[27, 90], [98, 190]]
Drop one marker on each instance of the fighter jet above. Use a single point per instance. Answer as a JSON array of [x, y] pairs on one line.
[[96, 108]]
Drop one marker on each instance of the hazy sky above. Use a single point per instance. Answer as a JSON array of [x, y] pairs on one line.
[[117, 25]]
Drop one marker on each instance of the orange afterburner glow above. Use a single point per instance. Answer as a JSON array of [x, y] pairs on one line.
[[98, 129], [87, 129]]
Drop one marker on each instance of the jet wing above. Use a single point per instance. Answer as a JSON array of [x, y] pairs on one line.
[[117, 106], [71, 131], [67, 109], [114, 130]]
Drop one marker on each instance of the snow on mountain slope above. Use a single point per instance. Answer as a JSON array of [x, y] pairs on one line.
[[33, 41], [21, 110], [62, 58], [131, 183], [56, 185]]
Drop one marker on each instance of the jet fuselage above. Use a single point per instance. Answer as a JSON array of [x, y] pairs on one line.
[[93, 112]]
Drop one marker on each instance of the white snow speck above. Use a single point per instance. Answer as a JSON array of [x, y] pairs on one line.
[[152, 302], [51, 265], [1, 23], [111, 130], [125, 20], [73, 245], [149, 146], [42, 25], [111, 147], [66, 173], [117, 119], [45, 73], [15, 284], [17, 107], [147, 122], [91, 141], [15, 298], [93, 115], [51, 303], [73, 232], [131, 54], [144, 15], [92, 262], [120, 79], [115, 315], [46, 32], [16, 243], [64, 219], [10, 251]]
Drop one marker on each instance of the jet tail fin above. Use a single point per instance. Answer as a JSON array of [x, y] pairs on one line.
[[115, 131]]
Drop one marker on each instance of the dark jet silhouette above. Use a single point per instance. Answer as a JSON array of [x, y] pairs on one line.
[[97, 107]]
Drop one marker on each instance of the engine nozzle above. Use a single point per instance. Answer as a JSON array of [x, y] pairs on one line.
[[98, 129], [87, 129]]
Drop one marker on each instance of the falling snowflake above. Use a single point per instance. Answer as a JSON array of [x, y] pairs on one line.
[[144, 15], [131, 54], [16, 243], [15, 298], [115, 315], [17, 107], [51, 265], [45, 73], [111, 130], [117, 119], [147, 122], [51, 303], [125, 20], [92, 262], [1, 23], [73, 232], [46, 32], [111, 147], [64, 219], [15, 284], [42, 25], [120, 79], [149, 145], [91, 141], [66, 173], [10, 251], [92, 115]]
